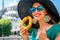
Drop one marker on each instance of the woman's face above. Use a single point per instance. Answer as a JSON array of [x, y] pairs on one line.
[[39, 12]]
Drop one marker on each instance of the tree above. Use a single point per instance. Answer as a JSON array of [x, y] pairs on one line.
[[5, 27]]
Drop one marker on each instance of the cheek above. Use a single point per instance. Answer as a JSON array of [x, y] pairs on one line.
[[43, 14]]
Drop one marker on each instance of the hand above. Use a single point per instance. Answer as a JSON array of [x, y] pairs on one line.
[[58, 36], [42, 34], [23, 33]]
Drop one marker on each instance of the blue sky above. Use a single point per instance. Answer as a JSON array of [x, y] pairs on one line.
[[56, 3]]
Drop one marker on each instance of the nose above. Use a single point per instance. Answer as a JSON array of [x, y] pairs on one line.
[[36, 11]]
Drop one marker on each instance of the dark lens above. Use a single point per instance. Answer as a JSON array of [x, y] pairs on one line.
[[32, 10], [40, 8]]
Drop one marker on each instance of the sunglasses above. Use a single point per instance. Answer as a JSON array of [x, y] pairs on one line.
[[39, 8]]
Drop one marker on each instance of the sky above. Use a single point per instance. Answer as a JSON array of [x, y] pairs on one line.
[[6, 2]]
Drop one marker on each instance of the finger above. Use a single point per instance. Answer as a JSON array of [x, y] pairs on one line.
[[21, 33], [38, 34], [20, 26], [22, 30]]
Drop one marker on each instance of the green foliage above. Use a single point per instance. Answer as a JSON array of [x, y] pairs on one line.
[[0, 30], [5, 27]]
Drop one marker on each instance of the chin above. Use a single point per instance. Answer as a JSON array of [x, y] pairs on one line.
[[38, 18]]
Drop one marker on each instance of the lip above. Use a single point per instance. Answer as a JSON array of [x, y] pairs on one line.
[[37, 15]]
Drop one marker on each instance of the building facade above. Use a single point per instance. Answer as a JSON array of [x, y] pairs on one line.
[[10, 12]]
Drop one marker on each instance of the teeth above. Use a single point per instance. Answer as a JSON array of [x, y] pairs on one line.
[[37, 15]]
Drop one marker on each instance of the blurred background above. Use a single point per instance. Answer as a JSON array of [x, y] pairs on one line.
[[8, 10], [9, 19]]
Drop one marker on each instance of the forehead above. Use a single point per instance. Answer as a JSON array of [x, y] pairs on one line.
[[36, 4]]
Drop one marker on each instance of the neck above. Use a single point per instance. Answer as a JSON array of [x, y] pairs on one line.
[[43, 24]]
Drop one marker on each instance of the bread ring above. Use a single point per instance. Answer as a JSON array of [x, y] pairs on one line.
[[24, 20]]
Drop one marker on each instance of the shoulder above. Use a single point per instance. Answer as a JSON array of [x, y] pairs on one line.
[[57, 27], [53, 31], [56, 24]]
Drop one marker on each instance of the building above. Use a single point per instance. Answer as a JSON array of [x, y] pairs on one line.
[[12, 14]]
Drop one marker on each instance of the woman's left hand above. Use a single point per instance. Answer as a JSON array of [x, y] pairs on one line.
[[42, 35]]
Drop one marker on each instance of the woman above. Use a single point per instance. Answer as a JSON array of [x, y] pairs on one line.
[[47, 18]]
